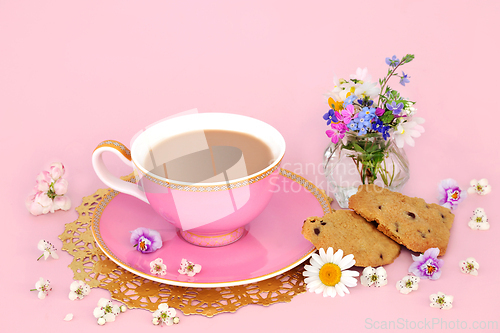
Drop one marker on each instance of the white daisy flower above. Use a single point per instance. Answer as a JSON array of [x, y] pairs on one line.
[[479, 221], [406, 131], [480, 187], [374, 277], [78, 289], [165, 315], [48, 249], [407, 284], [441, 301], [189, 268], [328, 273], [43, 287], [158, 267], [469, 266]]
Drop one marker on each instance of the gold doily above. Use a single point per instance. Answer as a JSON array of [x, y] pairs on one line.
[[91, 265]]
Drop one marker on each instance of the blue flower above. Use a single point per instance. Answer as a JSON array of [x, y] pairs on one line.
[[379, 126], [362, 131], [396, 108], [363, 121], [353, 125], [404, 79], [349, 100], [368, 112], [330, 117], [392, 62]]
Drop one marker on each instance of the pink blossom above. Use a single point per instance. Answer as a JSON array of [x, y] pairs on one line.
[[346, 115], [49, 192], [337, 132], [56, 170], [61, 186]]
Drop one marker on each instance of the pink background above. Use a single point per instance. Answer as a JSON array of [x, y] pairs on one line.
[[74, 73]]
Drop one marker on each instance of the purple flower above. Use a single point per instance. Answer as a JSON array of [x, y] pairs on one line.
[[427, 265], [146, 240], [330, 117], [404, 79], [450, 195], [379, 112], [396, 108], [393, 62], [337, 132]]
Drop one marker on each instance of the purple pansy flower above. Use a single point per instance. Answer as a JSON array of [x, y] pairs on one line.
[[146, 240], [396, 108], [450, 195], [330, 117], [427, 265], [404, 79]]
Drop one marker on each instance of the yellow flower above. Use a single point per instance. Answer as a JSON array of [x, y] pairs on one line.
[[335, 105]]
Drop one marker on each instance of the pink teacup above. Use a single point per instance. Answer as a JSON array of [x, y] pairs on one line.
[[212, 212]]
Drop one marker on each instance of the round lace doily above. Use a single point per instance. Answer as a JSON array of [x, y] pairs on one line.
[[91, 265]]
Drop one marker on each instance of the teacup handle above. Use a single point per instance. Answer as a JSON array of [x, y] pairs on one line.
[[107, 177]]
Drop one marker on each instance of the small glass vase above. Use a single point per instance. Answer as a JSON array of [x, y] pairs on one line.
[[365, 159]]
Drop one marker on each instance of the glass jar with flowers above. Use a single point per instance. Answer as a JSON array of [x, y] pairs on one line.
[[369, 126]]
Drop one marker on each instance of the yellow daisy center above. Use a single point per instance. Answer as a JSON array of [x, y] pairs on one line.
[[330, 274]]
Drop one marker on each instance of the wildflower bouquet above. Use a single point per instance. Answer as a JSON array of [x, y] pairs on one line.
[[367, 120]]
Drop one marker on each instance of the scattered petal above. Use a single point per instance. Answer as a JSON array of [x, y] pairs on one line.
[[479, 220], [441, 301], [68, 317], [407, 284], [43, 287], [48, 249], [189, 268], [165, 315], [469, 266], [78, 290], [106, 311], [158, 267], [480, 187], [374, 277]]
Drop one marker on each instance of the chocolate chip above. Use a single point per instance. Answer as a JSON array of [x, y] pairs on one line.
[[312, 221], [397, 226], [380, 207], [428, 230], [442, 216], [410, 214], [316, 231], [381, 256], [323, 222], [421, 233]]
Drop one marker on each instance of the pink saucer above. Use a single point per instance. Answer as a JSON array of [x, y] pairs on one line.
[[273, 242]]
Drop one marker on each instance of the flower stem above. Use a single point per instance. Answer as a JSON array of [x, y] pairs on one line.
[[40, 257]]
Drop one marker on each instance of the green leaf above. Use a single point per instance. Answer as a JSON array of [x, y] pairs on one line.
[[357, 147], [408, 58]]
